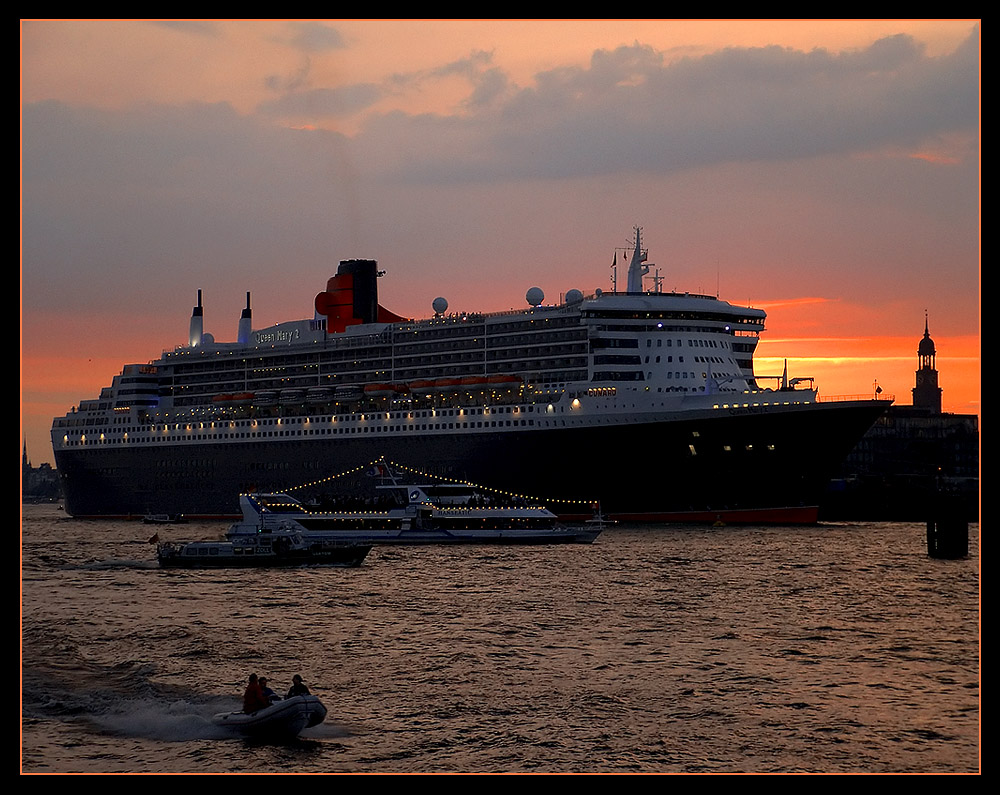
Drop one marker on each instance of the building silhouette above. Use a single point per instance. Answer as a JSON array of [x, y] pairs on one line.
[[38, 484], [927, 393], [911, 457]]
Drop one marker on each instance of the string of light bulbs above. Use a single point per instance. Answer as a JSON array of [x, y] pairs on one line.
[[383, 461]]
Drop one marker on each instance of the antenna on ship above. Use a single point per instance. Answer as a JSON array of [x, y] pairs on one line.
[[657, 282], [243, 332], [197, 324]]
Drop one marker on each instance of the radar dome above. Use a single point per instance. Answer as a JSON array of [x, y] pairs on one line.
[[440, 305], [534, 296], [574, 297]]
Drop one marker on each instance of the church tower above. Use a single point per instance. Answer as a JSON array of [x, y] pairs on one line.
[[927, 393]]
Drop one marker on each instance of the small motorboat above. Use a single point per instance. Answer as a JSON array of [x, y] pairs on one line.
[[284, 718], [164, 518], [278, 548]]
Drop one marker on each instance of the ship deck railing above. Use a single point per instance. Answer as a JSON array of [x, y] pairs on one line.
[[855, 398]]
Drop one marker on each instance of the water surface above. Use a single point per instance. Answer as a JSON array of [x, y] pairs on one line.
[[841, 648]]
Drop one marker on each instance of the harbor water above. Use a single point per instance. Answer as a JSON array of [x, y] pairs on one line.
[[839, 648]]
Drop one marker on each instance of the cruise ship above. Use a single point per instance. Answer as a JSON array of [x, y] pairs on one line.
[[640, 401]]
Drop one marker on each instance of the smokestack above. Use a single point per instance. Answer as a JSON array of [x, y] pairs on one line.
[[197, 324], [245, 327]]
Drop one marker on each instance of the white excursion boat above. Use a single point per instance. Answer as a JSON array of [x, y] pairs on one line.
[[284, 718], [410, 513]]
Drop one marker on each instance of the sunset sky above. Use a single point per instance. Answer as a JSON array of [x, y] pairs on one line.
[[825, 171]]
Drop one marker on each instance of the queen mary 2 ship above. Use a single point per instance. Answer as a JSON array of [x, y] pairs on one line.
[[644, 402]]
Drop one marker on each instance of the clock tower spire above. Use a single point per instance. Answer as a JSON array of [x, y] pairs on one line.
[[927, 393]]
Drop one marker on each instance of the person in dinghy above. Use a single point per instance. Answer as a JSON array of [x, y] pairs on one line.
[[297, 688], [253, 696]]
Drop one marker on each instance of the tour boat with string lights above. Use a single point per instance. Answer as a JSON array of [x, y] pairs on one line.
[[644, 400], [399, 510]]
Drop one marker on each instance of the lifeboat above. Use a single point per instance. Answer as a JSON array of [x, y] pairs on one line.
[[266, 398], [239, 399], [319, 395], [447, 384], [380, 390], [471, 382], [422, 386], [348, 393]]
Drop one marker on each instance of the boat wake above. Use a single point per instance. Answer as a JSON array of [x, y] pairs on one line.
[[173, 722], [122, 700]]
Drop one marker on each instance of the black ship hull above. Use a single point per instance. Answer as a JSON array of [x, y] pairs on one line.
[[767, 465]]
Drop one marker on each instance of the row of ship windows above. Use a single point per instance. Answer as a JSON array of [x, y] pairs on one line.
[[691, 343], [475, 411], [376, 370], [402, 365], [214, 364], [382, 355], [459, 322], [661, 328], [395, 425], [492, 342], [204, 437], [186, 396], [472, 339], [534, 324], [178, 437], [146, 439], [408, 373], [402, 368], [610, 358]]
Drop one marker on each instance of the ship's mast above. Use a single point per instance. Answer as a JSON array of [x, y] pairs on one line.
[[636, 269]]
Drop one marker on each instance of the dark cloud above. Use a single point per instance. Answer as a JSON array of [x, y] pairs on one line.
[[629, 110], [316, 37], [490, 87], [471, 66]]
